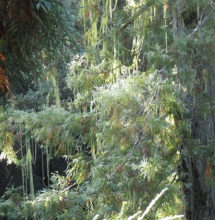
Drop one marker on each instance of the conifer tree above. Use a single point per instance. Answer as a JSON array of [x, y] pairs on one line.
[[137, 124]]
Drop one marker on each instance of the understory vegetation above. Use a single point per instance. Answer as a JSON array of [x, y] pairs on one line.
[[97, 100]]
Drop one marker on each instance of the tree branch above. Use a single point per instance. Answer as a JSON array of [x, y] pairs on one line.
[[200, 25]]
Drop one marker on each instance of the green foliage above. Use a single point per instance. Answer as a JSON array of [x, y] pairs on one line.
[[46, 26], [123, 120], [117, 149]]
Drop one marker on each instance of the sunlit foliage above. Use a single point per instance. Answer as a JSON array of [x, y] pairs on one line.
[[111, 103]]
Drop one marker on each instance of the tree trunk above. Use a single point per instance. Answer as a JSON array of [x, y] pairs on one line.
[[197, 166]]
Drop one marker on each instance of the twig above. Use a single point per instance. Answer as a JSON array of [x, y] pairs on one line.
[[174, 178], [199, 26], [134, 216], [173, 217], [148, 209], [152, 203]]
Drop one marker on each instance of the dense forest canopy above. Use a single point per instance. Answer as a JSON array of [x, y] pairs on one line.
[[107, 109]]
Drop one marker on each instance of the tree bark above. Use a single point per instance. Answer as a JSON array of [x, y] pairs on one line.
[[197, 166], [197, 157]]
